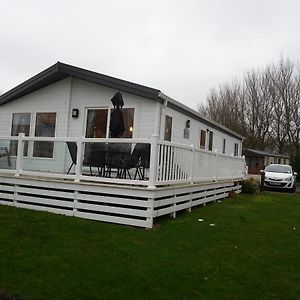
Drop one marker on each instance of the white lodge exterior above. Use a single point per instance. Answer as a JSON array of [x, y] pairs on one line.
[[166, 158]]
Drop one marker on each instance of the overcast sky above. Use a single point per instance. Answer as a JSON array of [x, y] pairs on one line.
[[184, 48]]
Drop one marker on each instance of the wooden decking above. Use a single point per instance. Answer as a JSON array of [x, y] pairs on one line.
[[123, 204], [178, 177]]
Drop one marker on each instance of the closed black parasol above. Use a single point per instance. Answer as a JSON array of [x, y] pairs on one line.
[[117, 126], [117, 100]]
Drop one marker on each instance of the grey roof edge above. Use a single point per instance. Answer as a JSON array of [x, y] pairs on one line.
[[13, 93], [265, 153], [193, 113], [61, 70], [109, 81]]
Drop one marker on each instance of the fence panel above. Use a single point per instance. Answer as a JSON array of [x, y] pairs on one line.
[[181, 163]]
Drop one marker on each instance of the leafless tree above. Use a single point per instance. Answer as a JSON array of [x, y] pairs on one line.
[[264, 107]]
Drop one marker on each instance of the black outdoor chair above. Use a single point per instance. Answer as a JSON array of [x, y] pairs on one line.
[[140, 159], [118, 157], [72, 146], [95, 157]]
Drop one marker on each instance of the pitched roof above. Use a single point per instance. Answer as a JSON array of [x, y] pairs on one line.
[[247, 151], [60, 71]]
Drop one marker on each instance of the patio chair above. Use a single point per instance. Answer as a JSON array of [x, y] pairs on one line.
[[72, 147], [96, 157], [118, 157], [140, 159], [4, 152]]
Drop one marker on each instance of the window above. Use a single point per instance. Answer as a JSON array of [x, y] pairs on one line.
[[168, 129], [44, 127], [202, 139], [20, 124], [210, 140], [96, 123], [224, 146], [128, 118], [236, 149], [121, 124]]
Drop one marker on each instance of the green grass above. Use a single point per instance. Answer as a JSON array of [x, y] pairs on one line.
[[252, 252]]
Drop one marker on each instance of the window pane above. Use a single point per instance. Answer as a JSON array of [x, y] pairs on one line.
[[20, 124], [236, 149], [210, 141], [202, 139], [128, 115], [44, 127], [96, 123], [122, 123], [168, 129], [224, 146]]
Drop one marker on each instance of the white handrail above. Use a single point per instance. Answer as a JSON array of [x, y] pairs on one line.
[[170, 163]]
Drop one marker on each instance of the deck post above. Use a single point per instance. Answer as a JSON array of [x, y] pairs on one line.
[[216, 165], [192, 164], [78, 166], [153, 161], [20, 150], [150, 210]]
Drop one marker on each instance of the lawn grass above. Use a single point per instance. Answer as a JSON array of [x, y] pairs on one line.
[[252, 252]]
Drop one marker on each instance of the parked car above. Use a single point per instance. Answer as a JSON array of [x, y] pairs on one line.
[[279, 176]]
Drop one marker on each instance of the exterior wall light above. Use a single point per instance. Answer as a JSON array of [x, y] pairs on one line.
[[75, 113]]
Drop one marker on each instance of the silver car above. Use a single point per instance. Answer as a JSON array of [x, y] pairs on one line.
[[280, 177]]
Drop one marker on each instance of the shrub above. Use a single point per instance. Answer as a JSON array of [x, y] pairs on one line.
[[250, 186]]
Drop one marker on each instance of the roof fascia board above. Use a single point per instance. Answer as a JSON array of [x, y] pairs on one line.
[[4, 98], [60, 70], [254, 152], [192, 113], [109, 81]]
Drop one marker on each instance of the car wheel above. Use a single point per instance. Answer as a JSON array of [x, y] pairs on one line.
[[293, 189]]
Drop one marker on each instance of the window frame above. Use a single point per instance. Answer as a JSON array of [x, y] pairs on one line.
[[26, 145], [109, 111], [202, 146], [168, 135], [236, 149], [34, 135], [224, 146], [210, 140]]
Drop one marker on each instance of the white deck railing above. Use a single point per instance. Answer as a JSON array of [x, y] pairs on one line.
[[170, 163]]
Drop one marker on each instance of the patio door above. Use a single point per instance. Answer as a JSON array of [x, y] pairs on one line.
[[96, 123]]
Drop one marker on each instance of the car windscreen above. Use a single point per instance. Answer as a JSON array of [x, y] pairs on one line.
[[278, 169]]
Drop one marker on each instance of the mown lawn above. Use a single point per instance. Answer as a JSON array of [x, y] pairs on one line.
[[252, 252]]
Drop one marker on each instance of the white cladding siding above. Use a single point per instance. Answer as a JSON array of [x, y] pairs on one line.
[[67, 94], [179, 122], [88, 95], [61, 97], [53, 98]]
